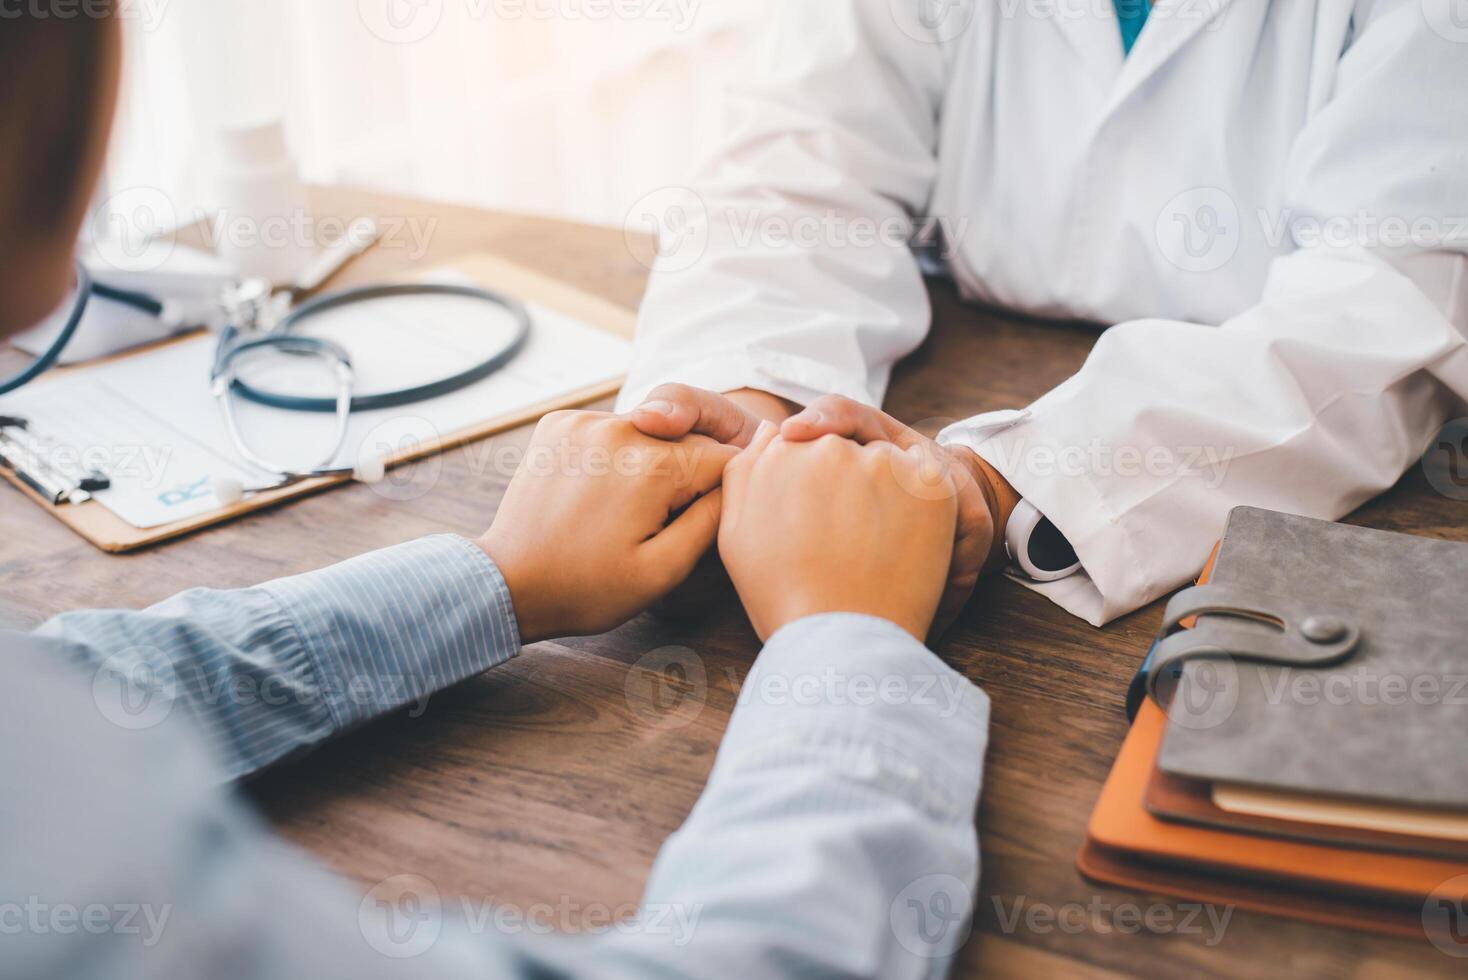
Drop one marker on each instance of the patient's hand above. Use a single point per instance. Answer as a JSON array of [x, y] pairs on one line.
[[589, 533], [984, 499], [835, 526]]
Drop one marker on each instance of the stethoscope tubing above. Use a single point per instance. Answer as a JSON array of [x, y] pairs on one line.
[[86, 288], [44, 363], [281, 335]]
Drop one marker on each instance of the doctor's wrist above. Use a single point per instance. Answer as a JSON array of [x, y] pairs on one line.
[[1001, 497], [763, 405]]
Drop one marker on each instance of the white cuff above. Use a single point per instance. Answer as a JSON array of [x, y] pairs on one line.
[[1114, 579], [799, 379]]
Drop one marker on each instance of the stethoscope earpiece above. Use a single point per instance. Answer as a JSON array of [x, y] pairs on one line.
[[228, 491], [369, 470]]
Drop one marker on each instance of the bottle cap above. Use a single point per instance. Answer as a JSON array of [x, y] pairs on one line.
[[251, 147]]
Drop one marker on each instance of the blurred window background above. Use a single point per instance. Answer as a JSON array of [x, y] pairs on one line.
[[572, 108]]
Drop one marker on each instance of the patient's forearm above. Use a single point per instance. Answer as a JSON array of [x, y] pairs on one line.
[[835, 838], [838, 818], [273, 670]]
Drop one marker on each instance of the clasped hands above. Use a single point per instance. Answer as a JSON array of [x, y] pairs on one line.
[[839, 508]]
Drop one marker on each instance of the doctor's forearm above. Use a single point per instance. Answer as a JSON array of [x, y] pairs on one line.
[[784, 292], [1335, 383]]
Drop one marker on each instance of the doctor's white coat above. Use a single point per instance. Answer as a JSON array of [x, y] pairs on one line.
[[1268, 198]]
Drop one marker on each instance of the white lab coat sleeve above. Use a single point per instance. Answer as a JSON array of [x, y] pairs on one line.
[[1312, 401], [792, 273]]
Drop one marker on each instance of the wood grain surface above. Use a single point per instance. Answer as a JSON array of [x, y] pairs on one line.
[[555, 777]]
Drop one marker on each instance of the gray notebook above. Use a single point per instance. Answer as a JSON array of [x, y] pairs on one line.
[[1324, 659]]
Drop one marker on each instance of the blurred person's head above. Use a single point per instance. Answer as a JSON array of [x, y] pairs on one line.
[[56, 108]]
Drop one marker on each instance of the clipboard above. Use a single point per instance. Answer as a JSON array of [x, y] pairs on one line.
[[112, 534]]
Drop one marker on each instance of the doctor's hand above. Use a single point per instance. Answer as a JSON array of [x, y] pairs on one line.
[[672, 411], [833, 526], [601, 520], [984, 498]]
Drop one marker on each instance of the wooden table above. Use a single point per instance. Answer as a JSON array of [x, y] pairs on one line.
[[556, 777]]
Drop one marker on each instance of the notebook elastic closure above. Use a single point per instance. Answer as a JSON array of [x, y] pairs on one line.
[[1241, 624]]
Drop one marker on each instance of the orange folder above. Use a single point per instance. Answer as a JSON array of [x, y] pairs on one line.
[[1121, 822]]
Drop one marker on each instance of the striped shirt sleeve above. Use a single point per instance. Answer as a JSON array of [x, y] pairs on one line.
[[274, 670]]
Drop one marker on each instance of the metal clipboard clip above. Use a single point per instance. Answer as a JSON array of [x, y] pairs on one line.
[[43, 465]]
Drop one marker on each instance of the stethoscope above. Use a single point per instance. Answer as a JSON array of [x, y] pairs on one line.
[[254, 323]]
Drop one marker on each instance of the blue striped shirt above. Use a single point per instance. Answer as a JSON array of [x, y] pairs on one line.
[[835, 836]]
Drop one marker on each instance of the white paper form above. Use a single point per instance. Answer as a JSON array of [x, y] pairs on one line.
[[150, 423]]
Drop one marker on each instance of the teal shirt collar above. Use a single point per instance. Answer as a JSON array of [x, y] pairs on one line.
[[1131, 14]]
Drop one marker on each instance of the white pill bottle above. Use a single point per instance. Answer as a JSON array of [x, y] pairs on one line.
[[263, 227]]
